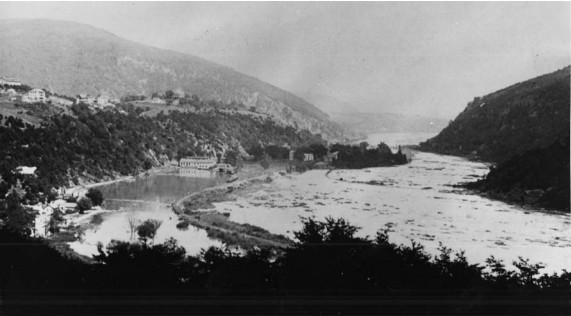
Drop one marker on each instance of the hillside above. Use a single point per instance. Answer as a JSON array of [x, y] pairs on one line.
[[509, 122], [368, 123], [94, 146], [539, 177], [71, 58]]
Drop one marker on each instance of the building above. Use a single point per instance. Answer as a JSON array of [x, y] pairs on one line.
[[101, 101], [331, 156], [157, 101], [178, 94], [34, 95], [10, 82], [84, 98], [308, 157], [11, 92], [198, 162]]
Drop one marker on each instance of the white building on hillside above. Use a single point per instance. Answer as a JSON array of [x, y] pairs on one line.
[[10, 82], [157, 101], [101, 101], [34, 95], [84, 98], [198, 162]]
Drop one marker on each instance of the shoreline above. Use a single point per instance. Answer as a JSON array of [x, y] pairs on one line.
[[150, 172], [196, 209]]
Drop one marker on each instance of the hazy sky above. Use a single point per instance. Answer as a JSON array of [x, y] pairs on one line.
[[421, 57]]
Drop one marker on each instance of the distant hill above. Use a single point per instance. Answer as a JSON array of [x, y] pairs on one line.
[[368, 123], [528, 115], [71, 58]]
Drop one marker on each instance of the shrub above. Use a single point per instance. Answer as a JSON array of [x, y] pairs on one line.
[[84, 204]]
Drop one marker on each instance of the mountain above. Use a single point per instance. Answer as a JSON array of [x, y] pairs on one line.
[[368, 123], [528, 115], [71, 58]]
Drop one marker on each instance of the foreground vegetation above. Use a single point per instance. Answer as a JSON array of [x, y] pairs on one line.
[[327, 270]]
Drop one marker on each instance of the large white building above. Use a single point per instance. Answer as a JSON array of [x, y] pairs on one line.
[[34, 95], [198, 162]]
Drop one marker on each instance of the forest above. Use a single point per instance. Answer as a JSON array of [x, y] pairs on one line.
[[329, 270]]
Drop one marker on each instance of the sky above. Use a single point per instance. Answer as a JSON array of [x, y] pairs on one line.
[[427, 58]]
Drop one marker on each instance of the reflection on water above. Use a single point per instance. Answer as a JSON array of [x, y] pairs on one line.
[[150, 197], [196, 173]]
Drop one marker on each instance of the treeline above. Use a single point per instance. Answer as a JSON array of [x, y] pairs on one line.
[[357, 157], [97, 145], [329, 270], [316, 147]]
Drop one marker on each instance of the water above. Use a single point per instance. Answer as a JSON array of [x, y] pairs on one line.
[[150, 198], [415, 202]]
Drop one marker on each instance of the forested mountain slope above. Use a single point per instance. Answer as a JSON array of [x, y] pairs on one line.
[[508, 122]]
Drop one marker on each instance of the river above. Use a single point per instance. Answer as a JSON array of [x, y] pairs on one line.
[[149, 198], [414, 202]]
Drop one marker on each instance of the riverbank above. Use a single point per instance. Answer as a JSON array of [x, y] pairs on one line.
[[196, 210]]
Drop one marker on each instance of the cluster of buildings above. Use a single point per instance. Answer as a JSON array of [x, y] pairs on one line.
[[10, 87], [100, 101]]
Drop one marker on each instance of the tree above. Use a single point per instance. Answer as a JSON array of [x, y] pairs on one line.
[[16, 217], [148, 229], [231, 157], [84, 204], [299, 154], [95, 196], [56, 221], [265, 163], [169, 94], [132, 223]]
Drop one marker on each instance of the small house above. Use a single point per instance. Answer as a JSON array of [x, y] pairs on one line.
[[308, 157]]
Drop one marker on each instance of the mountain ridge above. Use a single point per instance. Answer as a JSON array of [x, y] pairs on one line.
[[70, 58]]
